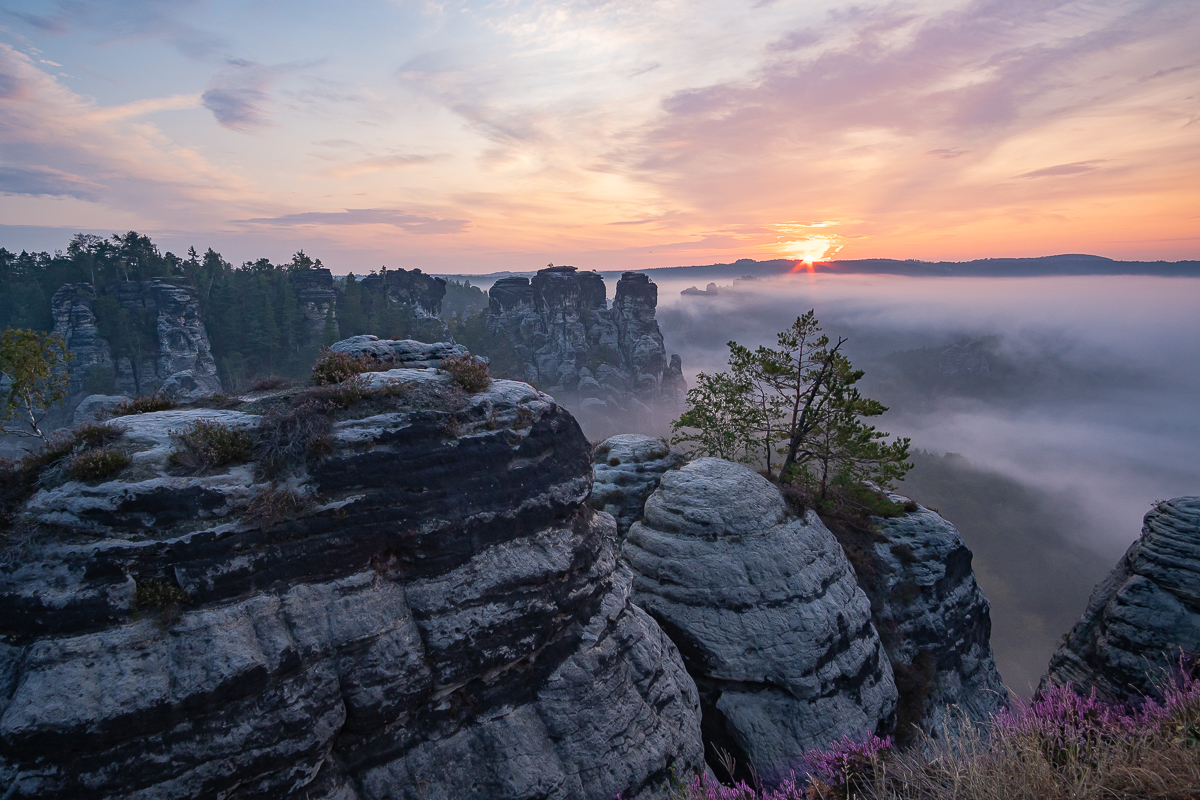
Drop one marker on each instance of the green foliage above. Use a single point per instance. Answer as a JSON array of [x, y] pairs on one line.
[[797, 399], [361, 310], [206, 445], [96, 464], [131, 334], [720, 419], [463, 300], [33, 377], [254, 319], [472, 332], [468, 372], [144, 404]]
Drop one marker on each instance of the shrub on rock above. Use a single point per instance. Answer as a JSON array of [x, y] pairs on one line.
[[206, 445]]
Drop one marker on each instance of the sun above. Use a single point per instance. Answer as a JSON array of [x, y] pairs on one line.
[[811, 249]]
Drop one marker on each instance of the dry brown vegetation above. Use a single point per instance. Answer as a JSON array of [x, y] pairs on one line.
[[144, 404], [468, 372], [334, 367], [206, 445]]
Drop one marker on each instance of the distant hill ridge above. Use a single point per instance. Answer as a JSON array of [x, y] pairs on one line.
[[1065, 264]]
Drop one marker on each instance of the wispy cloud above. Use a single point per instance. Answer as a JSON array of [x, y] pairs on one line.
[[40, 180], [238, 96], [412, 223], [1065, 169], [366, 166]]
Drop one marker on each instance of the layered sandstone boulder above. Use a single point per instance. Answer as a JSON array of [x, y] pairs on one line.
[[418, 605], [1144, 616], [764, 607]]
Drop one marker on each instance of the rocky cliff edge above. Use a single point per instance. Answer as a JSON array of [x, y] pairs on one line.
[[419, 606]]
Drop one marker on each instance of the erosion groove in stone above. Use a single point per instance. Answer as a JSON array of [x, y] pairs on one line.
[[444, 617], [608, 365], [766, 612], [1144, 615]]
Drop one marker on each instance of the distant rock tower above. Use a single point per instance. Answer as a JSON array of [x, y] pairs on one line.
[[609, 366]]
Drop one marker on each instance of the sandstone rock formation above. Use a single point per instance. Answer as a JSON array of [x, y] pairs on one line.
[[422, 294], [1144, 614], [421, 607], [403, 353], [318, 302], [766, 612], [934, 621], [178, 358], [628, 469], [607, 365]]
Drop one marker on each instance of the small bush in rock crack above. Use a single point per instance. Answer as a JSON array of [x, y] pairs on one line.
[[291, 437], [206, 445], [162, 596], [335, 367], [275, 504], [469, 373], [97, 464]]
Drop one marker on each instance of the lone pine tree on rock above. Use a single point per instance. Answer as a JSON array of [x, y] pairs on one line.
[[797, 400]]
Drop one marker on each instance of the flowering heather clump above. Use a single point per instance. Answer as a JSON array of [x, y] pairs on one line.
[[844, 763], [1060, 746]]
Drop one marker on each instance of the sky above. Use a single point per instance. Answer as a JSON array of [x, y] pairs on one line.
[[471, 137]]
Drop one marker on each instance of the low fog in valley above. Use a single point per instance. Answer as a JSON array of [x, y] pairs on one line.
[[1067, 405]]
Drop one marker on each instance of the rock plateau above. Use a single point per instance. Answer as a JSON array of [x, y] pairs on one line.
[[423, 606]]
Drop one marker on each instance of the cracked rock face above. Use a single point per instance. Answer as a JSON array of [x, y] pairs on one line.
[[766, 612], [441, 617], [934, 620], [1143, 614], [609, 366], [181, 363], [628, 467]]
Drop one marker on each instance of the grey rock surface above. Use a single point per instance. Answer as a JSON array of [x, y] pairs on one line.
[[403, 353], [179, 358], [608, 365], [95, 407], [766, 612], [1144, 615], [934, 621], [435, 613], [627, 469], [421, 294], [318, 302]]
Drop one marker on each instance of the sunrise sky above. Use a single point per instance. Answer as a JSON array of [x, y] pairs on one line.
[[480, 136]]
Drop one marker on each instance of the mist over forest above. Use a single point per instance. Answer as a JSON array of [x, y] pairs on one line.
[[1067, 405], [1046, 413]]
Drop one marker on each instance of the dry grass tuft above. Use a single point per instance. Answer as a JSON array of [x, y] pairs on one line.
[[206, 445], [468, 372], [334, 367], [293, 436], [276, 504], [144, 404], [96, 464]]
